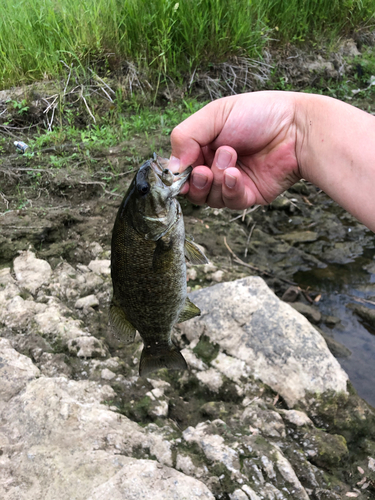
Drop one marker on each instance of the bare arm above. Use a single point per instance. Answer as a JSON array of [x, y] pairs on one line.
[[248, 149], [336, 151]]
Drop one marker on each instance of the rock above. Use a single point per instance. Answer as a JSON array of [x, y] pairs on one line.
[[147, 479], [349, 48], [336, 348], [365, 313], [87, 347], [59, 441], [268, 422], [107, 374], [211, 378], [217, 276], [286, 470], [5, 277], [95, 248], [31, 273], [52, 323], [212, 445], [100, 266], [19, 313], [277, 344], [300, 237], [370, 268], [191, 273], [331, 321], [85, 302], [296, 417], [233, 368], [291, 294], [311, 313], [16, 371], [319, 65]]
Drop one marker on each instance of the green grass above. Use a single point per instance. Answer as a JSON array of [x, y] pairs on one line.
[[117, 127], [164, 37]]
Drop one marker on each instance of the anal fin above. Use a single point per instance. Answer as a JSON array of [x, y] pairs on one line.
[[122, 328], [194, 254], [189, 311], [170, 358]]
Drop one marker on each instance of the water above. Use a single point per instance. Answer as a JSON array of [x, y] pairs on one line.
[[339, 286]]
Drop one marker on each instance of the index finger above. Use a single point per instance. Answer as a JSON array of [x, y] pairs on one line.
[[199, 130]]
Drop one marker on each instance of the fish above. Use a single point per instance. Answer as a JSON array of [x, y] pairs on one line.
[[148, 266]]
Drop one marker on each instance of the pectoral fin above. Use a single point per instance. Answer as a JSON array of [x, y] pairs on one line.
[[189, 311], [194, 254], [169, 358], [122, 328]]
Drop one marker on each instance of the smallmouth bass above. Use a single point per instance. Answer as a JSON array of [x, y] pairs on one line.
[[148, 266]]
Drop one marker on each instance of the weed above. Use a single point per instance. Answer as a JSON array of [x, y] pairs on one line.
[[164, 38]]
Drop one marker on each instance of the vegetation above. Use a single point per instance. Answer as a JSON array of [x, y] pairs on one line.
[[164, 37]]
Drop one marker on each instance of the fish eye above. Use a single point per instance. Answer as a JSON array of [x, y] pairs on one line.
[[143, 188]]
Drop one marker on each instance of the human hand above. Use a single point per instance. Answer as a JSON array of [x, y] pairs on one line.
[[242, 148]]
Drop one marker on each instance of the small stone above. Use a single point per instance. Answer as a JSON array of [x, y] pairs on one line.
[[5, 276], [291, 294], [238, 495], [331, 321], [364, 313], [107, 374], [96, 249], [212, 378], [85, 302], [300, 237], [161, 410], [311, 313], [209, 268], [191, 274], [100, 266], [31, 273], [250, 492], [296, 417], [217, 276], [87, 347]]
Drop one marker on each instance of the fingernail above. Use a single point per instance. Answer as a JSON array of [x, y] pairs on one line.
[[199, 180], [223, 160], [230, 181], [174, 164]]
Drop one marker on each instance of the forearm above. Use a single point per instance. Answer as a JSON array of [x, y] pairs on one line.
[[336, 151]]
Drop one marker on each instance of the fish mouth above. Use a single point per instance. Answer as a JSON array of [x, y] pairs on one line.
[[160, 167], [155, 173]]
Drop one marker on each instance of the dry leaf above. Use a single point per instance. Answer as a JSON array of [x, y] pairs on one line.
[[351, 494]]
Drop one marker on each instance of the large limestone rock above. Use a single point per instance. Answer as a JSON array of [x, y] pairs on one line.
[[59, 441], [270, 340]]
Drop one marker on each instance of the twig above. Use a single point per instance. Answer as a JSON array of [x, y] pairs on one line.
[[245, 212], [103, 82], [359, 299], [5, 200], [248, 239], [87, 106]]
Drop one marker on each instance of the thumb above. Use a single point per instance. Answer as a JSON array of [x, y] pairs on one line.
[[199, 130], [185, 149]]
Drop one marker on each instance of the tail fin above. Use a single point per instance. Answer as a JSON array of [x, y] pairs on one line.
[[170, 358]]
